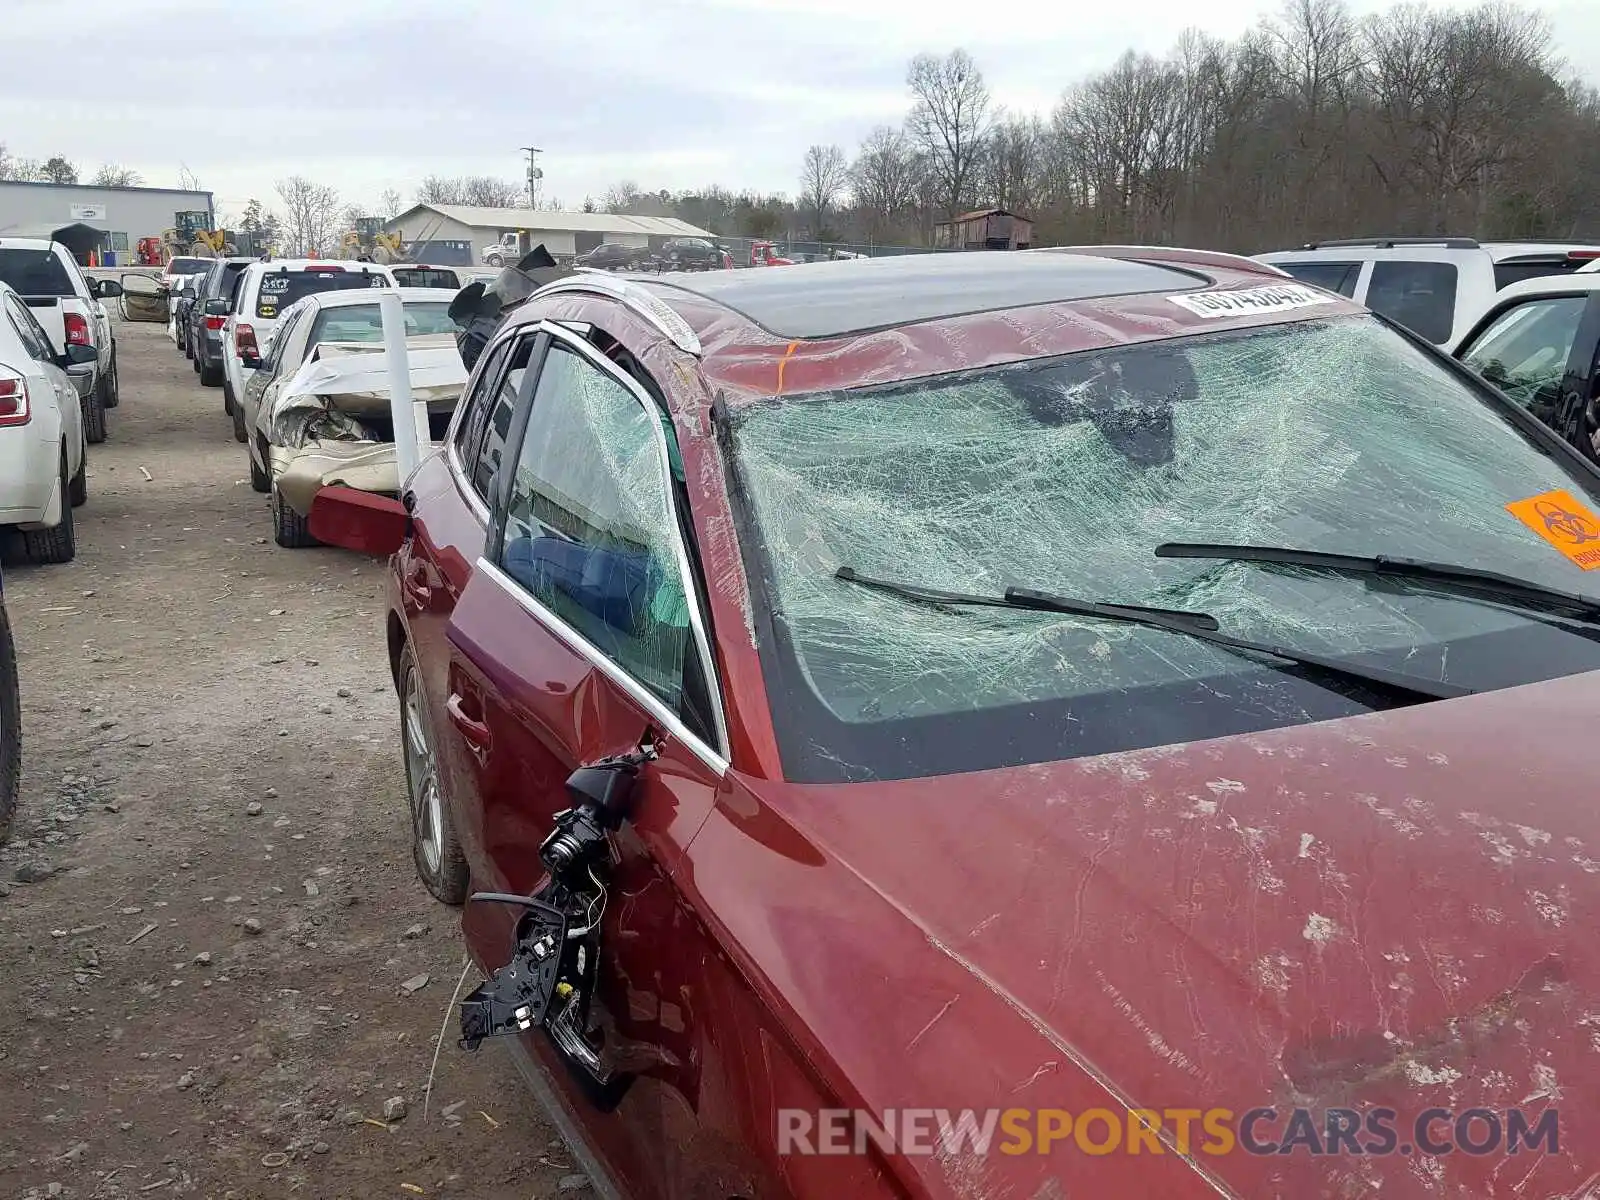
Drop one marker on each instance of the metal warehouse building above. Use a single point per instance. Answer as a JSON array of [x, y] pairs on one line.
[[123, 215], [434, 226]]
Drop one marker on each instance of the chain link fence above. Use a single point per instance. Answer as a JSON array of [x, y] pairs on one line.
[[803, 251]]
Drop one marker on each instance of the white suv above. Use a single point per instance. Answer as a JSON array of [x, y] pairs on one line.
[[261, 292], [43, 460], [1436, 287]]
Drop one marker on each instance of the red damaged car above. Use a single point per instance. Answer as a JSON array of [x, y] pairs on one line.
[[1075, 723]]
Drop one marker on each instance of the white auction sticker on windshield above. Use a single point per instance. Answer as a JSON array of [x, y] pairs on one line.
[[1275, 298]]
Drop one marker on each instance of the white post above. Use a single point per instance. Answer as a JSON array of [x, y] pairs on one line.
[[407, 445]]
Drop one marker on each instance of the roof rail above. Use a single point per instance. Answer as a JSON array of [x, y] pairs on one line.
[[1449, 243], [632, 295], [1177, 256], [1519, 241]]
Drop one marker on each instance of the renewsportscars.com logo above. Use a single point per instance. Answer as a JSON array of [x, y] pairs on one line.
[[1378, 1132]]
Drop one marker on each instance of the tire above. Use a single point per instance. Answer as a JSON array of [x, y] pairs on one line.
[[494, 260], [435, 849], [188, 346], [289, 529], [114, 387], [194, 363], [94, 416], [58, 545], [260, 480], [10, 729], [240, 433], [209, 376], [78, 490], [228, 402]]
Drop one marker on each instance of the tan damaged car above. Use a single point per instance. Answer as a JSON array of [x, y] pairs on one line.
[[317, 408]]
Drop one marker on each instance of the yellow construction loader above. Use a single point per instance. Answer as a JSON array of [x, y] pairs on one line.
[[368, 241]]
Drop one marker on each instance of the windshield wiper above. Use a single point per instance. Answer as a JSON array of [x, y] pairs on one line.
[[1014, 599], [1470, 582], [1194, 624]]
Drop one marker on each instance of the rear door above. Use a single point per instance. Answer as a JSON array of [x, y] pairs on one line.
[[45, 377], [1341, 277], [284, 356], [435, 565], [580, 632]]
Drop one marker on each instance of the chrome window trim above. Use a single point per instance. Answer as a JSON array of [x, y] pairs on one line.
[[469, 493], [634, 297], [580, 645]]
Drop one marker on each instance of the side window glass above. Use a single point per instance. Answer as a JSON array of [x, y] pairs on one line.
[[1334, 276], [33, 337], [1419, 295], [469, 431], [591, 531], [280, 338], [485, 466], [1524, 351]]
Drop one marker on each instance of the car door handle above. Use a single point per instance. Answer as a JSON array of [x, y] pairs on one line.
[[474, 732]]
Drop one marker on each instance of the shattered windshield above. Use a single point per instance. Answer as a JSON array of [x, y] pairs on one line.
[[1063, 475]]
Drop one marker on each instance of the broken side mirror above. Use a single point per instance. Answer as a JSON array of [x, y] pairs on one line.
[[361, 521]]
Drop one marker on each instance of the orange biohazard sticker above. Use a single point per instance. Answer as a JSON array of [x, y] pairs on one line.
[[1563, 522]]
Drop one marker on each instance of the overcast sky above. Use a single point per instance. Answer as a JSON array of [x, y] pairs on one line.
[[373, 94]]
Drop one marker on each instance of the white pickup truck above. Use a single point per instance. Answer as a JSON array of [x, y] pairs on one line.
[[67, 304]]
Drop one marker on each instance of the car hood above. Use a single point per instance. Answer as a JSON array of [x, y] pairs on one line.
[[1391, 910]]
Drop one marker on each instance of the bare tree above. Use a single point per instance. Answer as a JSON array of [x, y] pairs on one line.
[[1313, 123], [885, 175], [1012, 166], [822, 177], [390, 204], [949, 120], [312, 215], [622, 197], [112, 175], [485, 191], [188, 181], [479, 191]]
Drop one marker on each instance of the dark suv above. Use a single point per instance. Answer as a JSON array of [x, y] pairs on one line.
[[693, 254], [208, 308], [613, 256]]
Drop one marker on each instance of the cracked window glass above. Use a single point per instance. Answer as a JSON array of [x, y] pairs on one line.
[[1064, 475], [590, 525], [1524, 351]]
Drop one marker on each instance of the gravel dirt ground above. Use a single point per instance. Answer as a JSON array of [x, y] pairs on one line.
[[210, 933]]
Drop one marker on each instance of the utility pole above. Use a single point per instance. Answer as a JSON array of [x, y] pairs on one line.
[[534, 174]]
